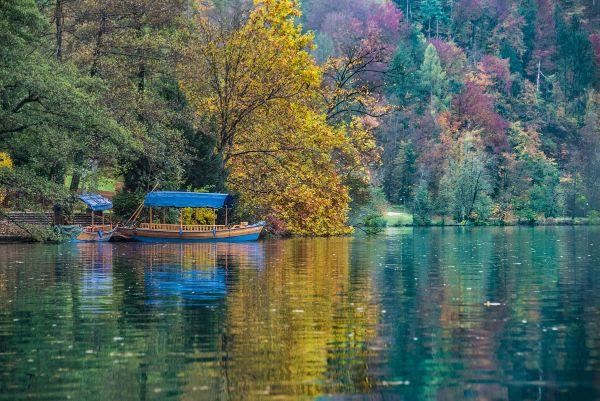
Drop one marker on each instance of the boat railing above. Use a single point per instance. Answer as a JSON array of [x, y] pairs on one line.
[[99, 227], [184, 227]]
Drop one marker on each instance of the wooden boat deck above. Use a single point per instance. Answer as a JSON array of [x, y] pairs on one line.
[[96, 228]]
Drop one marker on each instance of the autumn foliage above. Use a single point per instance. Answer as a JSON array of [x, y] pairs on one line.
[[256, 88]]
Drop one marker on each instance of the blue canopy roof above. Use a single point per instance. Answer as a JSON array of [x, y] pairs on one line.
[[187, 199], [96, 202]]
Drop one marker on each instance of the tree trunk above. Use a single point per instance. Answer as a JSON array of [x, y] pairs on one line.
[[537, 81], [59, 21], [141, 78], [96, 58], [429, 28], [222, 180], [75, 179]]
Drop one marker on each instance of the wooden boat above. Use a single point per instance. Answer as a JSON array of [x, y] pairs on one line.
[[161, 232], [95, 232]]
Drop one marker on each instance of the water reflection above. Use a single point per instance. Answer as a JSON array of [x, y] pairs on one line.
[[445, 314]]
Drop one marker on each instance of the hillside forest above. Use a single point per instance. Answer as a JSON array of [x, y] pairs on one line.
[[314, 114]]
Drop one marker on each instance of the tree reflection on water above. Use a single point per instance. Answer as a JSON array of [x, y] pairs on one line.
[[482, 314]]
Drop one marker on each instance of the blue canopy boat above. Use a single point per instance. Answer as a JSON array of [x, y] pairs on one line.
[[161, 232], [95, 232]]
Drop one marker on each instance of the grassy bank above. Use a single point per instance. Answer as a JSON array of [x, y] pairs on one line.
[[398, 216]]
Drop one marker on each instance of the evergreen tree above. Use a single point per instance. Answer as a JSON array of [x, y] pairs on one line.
[[432, 13], [575, 58], [589, 152], [433, 80], [399, 178]]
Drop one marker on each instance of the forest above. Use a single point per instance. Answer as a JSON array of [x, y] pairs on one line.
[[315, 114]]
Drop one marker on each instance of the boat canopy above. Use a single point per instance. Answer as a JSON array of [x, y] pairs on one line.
[[96, 202], [188, 199]]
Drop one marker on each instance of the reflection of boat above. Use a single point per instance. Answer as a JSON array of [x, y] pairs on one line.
[[96, 291], [161, 232], [204, 255], [173, 286], [94, 232], [195, 273]]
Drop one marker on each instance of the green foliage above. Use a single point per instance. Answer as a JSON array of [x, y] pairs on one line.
[[594, 217], [50, 113], [537, 178], [399, 174], [433, 13], [433, 80], [374, 223], [589, 152], [125, 203], [536, 135], [23, 189], [465, 186], [45, 233], [20, 25], [368, 216], [403, 78], [422, 205], [572, 192], [576, 66]]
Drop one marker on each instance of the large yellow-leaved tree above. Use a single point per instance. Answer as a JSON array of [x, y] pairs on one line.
[[255, 88]]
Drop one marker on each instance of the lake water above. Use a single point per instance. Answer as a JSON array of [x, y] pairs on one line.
[[423, 314]]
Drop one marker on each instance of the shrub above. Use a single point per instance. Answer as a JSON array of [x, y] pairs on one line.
[[125, 203], [594, 217], [374, 223]]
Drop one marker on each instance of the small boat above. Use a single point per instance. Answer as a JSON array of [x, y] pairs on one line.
[[162, 232], [94, 232]]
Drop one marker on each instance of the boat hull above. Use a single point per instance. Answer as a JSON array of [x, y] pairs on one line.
[[242, 234]]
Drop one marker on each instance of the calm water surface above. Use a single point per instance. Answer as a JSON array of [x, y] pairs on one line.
[[432, 314]]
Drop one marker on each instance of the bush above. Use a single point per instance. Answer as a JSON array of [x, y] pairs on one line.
[[45, 233], [125, 203], [22, 189], [374, 223]]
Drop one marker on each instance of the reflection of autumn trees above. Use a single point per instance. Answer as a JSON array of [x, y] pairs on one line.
[[298, 327]]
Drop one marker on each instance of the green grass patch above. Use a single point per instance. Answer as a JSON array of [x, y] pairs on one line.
[[104, 183], [398, 216]]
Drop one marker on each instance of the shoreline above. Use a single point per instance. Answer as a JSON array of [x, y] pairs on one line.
[[13, 235], [547, 222]]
